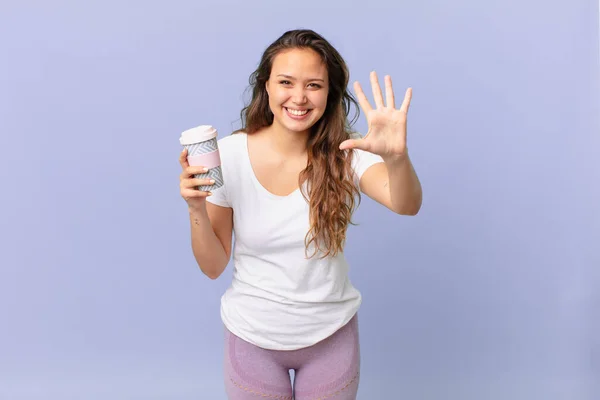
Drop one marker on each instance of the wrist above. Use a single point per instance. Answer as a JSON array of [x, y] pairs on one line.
[[396, 159], [197, 208]]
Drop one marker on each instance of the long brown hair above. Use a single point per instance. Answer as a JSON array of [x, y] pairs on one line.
[[332, 194]]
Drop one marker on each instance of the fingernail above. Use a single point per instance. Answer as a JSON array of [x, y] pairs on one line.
[[209, 194], [204, 169], [212, 181]]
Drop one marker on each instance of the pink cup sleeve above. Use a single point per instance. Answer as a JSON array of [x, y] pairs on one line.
[[209, 160]]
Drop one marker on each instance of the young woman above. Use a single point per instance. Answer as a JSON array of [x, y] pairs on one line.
[[293, 176]]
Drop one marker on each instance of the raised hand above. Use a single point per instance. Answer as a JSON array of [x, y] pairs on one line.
[[387, 125]]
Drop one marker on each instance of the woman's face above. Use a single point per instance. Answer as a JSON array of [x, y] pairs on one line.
[[297, 89]]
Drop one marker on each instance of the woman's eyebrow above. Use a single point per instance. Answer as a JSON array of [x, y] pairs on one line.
[[291, 77]]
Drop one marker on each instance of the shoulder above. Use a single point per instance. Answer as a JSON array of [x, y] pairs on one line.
[[231, 151], [232, 146], [232, 142]]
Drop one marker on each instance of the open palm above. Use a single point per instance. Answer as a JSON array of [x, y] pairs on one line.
[[387, 125]]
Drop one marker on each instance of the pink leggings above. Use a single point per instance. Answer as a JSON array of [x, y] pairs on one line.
[[327, 370]]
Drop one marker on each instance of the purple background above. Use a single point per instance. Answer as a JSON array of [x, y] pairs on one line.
[[492, 292]]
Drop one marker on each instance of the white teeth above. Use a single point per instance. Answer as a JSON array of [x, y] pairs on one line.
[[296, 112]]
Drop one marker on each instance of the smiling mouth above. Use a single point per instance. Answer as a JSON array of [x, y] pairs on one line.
[[297, 113]]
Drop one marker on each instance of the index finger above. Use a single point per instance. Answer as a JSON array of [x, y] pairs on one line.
[[406, 103]]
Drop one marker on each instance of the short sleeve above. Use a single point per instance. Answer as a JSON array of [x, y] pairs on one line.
[[219, 196]]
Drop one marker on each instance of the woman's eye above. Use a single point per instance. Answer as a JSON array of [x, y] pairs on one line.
[[312, 85]]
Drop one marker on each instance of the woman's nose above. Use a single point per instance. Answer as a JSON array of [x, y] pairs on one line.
[[299, 96]]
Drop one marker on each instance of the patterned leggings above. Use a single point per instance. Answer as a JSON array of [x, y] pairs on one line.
[[328, 370]]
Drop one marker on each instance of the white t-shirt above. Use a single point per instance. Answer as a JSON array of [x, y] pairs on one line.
[[278, 298]]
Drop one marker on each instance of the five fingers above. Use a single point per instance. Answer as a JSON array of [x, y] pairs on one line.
[[378, 94]]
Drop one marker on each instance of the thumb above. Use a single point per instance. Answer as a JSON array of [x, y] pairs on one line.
[[353, 144]]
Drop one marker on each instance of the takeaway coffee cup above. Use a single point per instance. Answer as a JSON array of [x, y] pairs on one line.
[[201, 144]]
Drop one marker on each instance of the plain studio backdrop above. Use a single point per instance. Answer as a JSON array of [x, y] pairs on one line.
[[490, 293]]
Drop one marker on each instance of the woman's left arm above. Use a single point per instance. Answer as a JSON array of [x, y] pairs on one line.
[[393, 183]]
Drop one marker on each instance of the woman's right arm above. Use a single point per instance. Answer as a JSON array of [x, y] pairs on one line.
[[211, 229], [211, 225]]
